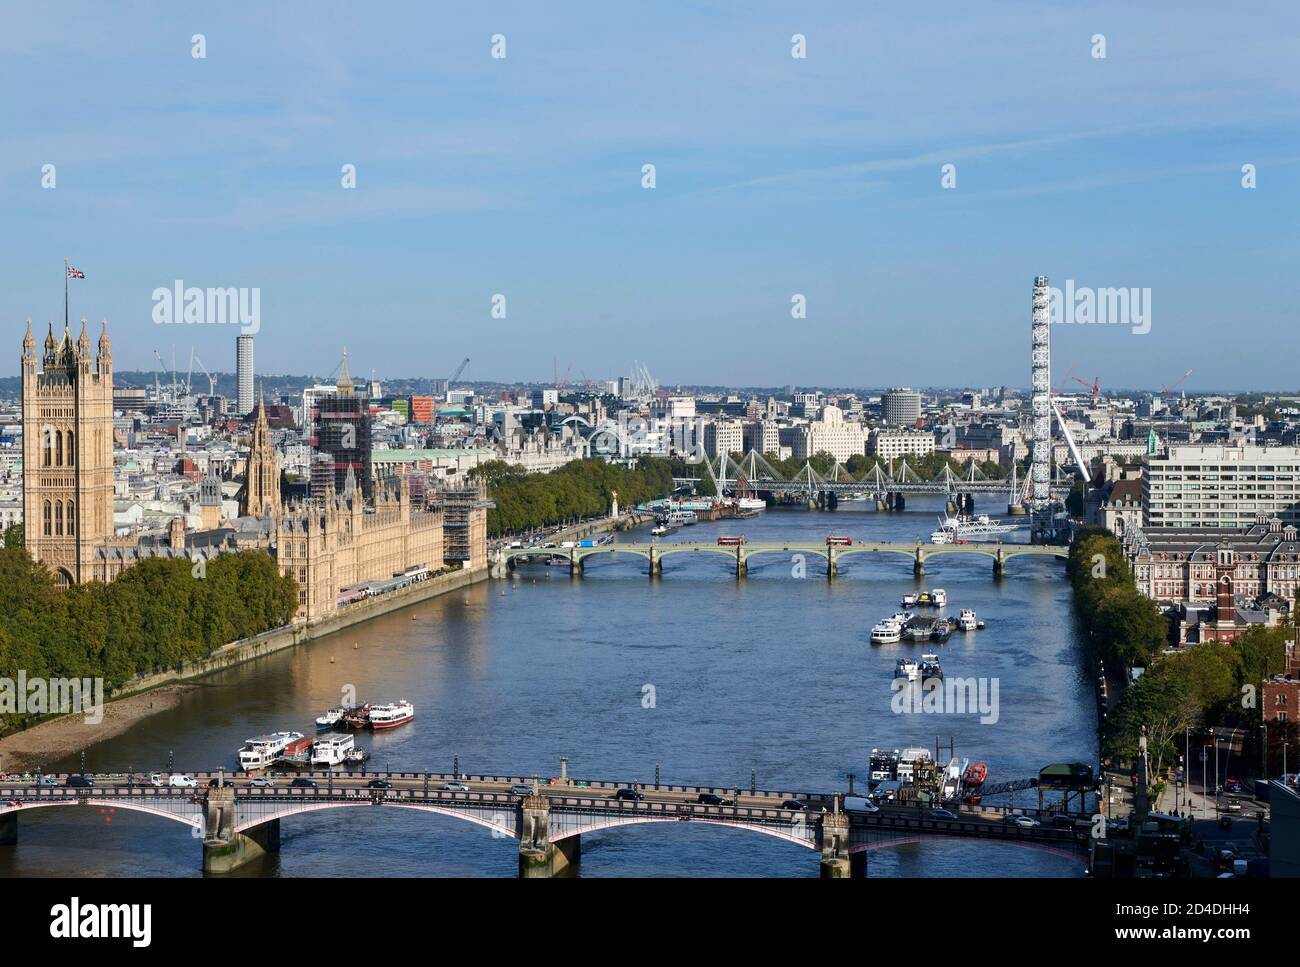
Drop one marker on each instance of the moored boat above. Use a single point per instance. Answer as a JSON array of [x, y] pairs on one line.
[[355, 756], [930, 667], [331, 750], [907, 668], [331, 718], [910, 599], [942, 630], [391, 716], [887, 632], [967, 621], [263, 750]]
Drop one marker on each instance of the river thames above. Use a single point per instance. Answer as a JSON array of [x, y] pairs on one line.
[[773, 673]]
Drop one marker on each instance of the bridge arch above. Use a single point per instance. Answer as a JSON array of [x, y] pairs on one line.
[[506, 813], [799, 834], [907, 839], [192, 818]]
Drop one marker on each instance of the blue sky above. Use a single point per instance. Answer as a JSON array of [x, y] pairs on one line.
[[775, 176]]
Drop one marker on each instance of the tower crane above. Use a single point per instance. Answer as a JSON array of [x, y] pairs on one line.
[[459, 369], [1096, 386], [1169, 390], [212, 380]]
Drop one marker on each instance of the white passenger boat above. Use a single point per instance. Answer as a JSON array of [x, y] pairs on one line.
[[751, 503], [391, 716], [910, 599], [887, 632], [967, 621], [259, 752], [332, 750], [939, 598]]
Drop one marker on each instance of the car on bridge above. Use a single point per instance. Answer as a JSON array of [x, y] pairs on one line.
[[795, 804], [79, 781], [629, 795], [302, 782], [454, 787], [261, 781], [1023, 822], [947, 814], [379, 784], [46, 781], [519, 789], [180, 781], [713, 799]]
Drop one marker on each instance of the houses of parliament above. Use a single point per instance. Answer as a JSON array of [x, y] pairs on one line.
[[327, 543]]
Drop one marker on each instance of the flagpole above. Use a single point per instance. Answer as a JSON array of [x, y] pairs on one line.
[[65, 294]]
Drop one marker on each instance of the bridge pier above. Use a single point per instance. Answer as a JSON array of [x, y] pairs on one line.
[[224, 849], [833, 841], [918, 565], [999, 566], [9, 829], [742, 567], [224, 854], [830, 562], [575, 564], [539, 858], [656, 565]]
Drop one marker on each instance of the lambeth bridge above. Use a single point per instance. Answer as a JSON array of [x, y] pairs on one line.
[[739, 554], [238, 822]]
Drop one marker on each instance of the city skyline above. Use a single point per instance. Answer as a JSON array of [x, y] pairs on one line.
[[776, 177]]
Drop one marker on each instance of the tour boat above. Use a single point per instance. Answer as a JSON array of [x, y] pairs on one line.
[[887, 632], [391, 716], [332, 750], [939, 598], [332, 718], [930, 667], [911, 599], [261, 751], [924, 599], [906, 668], [967, 620], [751, 503]]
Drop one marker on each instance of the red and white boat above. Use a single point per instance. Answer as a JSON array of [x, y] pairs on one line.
[[975, 775], [391, 716]]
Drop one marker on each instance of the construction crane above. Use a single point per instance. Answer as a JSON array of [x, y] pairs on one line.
[[1096, 386], [212, 380], [459, 369], [1169, 390]]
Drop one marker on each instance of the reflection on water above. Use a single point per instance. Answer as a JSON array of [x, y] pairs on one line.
[[771, 674]]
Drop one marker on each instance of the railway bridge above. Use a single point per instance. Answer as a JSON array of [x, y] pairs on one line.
[[238, 822], [740, 554]]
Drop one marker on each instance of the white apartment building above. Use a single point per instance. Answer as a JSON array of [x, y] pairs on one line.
[[762, 435], [832, 435], [1221, 486], [892, 444], [724, 436]]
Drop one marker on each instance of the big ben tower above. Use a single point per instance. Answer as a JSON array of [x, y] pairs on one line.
[[67, 451]]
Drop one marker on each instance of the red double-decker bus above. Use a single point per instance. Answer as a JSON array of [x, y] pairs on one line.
[[839, 540], [731, 541]]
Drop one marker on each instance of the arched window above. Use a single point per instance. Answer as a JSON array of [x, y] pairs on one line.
[[58, 518], [47, 531], [72, 450], [58, 448], [47, 449], [71, 517]]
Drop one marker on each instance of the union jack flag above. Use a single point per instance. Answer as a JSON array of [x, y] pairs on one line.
[[75, 273]]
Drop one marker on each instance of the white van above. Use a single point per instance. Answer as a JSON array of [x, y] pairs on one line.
[[859, 804], [183, 782]]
